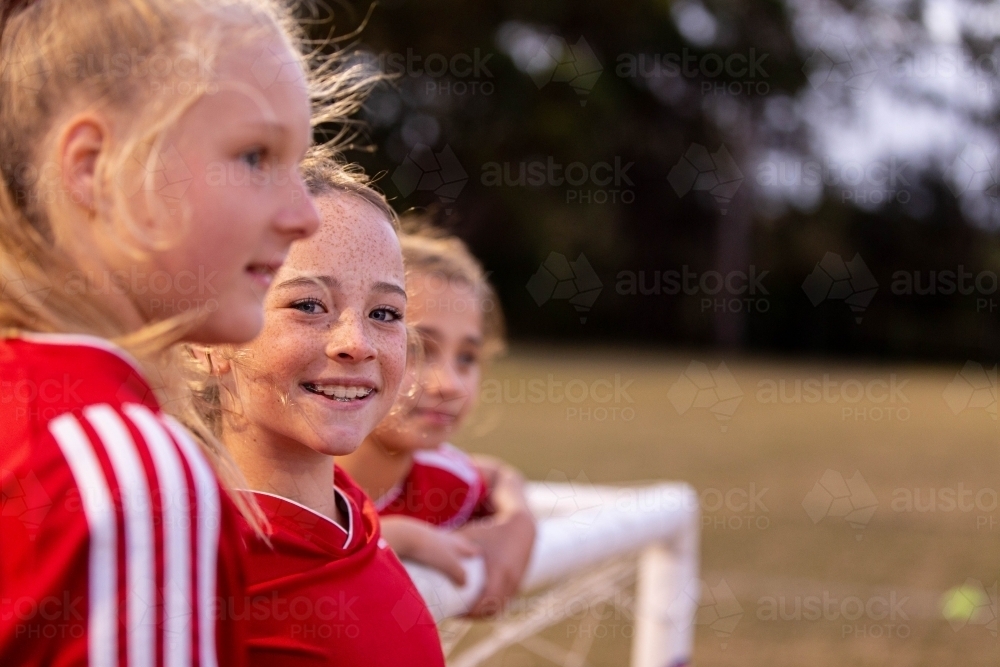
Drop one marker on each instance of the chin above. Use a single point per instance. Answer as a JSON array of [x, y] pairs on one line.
[[340, 442], [232, 327]]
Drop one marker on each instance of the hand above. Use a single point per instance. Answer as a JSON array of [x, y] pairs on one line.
[[429, 545], [506, 542]]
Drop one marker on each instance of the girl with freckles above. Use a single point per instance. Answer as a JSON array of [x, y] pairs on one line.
[[325, 589]]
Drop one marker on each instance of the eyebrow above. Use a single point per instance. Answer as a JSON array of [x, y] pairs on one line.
[[390, 288], [434, 334], [269, 126], [308, 281], [332, 284]]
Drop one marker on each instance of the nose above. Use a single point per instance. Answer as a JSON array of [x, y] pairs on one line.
[[441, 380], [350, 341], [299, 218]]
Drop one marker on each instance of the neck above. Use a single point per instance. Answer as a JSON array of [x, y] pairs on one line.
[[376, 469], [284, 468], [89, 270]]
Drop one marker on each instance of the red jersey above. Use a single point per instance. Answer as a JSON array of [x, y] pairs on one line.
[[325, 595], [115, 537], [443, 487]]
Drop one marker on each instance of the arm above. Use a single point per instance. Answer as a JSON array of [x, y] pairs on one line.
[[421, 542], [506, 538]]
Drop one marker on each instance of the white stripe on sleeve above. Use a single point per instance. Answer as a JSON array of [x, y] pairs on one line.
[[99, 510], [209, 513], [140, 545], [177, 611]]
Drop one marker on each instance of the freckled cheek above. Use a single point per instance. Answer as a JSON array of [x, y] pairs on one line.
[[277, 354], [392, 352]]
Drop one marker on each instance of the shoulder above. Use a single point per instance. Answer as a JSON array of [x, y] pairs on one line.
[[444, 463], [45, 375], [80, 400]]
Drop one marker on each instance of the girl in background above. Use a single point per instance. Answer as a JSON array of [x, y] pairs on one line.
[[435, 499], [149, 191], [437, 502]]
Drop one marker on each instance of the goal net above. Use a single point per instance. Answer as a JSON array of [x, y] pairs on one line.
[[592, 543]]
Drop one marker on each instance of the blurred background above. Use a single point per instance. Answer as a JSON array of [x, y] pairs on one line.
[[776, 225], [690, 138]]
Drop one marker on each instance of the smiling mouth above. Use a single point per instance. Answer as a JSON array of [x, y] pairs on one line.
[[341, 393], [437, 415]]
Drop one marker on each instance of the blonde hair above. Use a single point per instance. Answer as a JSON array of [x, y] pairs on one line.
[[325, 172], [125, 57], [429, 250]]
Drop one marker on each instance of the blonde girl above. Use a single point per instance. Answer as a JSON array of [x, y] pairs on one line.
[[149, 192]]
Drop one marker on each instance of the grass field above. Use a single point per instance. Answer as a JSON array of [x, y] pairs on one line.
[[927, 518]]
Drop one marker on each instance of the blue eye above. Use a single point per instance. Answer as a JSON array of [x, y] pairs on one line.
[[309, 306], [254, 158], [386, 314]]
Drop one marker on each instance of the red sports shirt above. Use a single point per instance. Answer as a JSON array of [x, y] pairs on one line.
[[115, 537], [328, 596], [444, 487]]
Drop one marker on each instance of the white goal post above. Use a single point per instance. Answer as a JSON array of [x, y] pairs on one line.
[[587, 539]]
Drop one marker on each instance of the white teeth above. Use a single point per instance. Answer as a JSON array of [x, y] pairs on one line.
[[341, 392]]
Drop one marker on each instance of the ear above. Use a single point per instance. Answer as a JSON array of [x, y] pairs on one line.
[[80, 145], [213, 365]]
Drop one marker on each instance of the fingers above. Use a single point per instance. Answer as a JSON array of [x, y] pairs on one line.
[[466, 548], [452, 567], [500, 587]]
